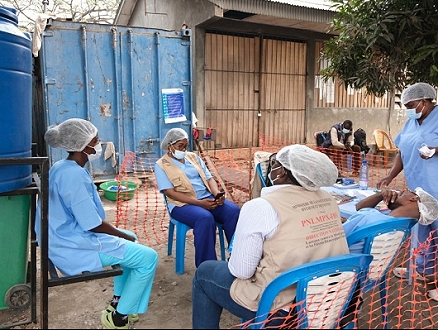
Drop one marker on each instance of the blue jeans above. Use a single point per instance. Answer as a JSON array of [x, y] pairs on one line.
[[427, 254], [211, 294], [203, 223]]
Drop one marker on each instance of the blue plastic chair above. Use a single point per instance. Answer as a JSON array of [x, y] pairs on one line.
[[322, 285], [181, 232], [260, 173], [383, 240]]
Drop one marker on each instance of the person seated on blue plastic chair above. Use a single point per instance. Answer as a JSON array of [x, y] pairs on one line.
[[79, 237], [192, 195], [275, 232], [416, 204]]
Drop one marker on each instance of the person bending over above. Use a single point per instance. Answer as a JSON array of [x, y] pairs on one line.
[[341, 137]]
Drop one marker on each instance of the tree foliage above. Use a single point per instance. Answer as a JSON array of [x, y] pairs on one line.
[[383, 45], [90, 11]]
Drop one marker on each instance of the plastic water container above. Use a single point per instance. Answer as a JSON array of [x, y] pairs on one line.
[[363, 175], [349, 162], [15, 100]]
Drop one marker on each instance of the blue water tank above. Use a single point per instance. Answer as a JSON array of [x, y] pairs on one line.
[[15, 100]]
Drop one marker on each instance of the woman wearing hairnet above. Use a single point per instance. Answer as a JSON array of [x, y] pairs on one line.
[[420, 168], [79, 237], [192, 195], [292, 223]]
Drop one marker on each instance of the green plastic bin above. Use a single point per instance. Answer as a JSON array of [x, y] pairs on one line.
[[14, 234]]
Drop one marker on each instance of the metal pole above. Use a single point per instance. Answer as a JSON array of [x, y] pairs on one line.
[[45, 4]]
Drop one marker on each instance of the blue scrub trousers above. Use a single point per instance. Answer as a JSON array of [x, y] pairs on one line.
[[427, 251], [203, 223], [135, 284]]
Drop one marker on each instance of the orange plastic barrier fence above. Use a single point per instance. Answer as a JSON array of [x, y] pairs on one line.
[[145, 214]]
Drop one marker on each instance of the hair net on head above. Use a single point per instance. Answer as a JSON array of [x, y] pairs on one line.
[[428, 207], [311, 168], [172, 136], [418, 91], [74, 134]]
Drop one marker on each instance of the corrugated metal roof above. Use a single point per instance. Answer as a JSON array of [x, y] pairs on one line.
[[318, 4], [303, 10], [265, 4]]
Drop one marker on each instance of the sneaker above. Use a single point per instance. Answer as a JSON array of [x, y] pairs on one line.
[[107, 321], [131, 317], [433, 294], [402, 272]]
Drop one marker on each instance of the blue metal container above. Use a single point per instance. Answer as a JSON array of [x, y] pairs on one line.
[[15, 100], [133, 83]]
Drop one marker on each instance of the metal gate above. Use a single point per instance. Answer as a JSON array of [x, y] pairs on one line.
[[254, 86]]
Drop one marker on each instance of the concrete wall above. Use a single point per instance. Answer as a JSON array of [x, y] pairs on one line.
[[369, 119], [171, 14]]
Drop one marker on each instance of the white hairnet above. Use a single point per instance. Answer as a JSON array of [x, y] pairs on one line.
[[311, 168], [428, 207], [172, 136], [74, 134], [418, 91]]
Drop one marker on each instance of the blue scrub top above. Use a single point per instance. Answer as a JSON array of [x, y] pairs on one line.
[[420, 172], [75, 208], [192, 174]]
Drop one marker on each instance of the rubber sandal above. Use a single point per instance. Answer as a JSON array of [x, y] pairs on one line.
[[433, 294], [131, 317], [108, 323], [402, 272]]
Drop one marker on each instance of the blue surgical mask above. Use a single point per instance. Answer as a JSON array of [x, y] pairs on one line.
[[345, 131], [412, 114], [178, 154], [269, 175]]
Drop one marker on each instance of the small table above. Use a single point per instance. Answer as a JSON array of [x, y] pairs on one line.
[[349, 208]]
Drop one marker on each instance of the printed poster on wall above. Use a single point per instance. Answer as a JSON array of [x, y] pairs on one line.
[[173, 105]]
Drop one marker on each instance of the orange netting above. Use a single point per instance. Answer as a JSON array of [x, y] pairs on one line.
[[408, 304]]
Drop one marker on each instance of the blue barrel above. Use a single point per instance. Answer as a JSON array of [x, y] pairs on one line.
[[15, 101]]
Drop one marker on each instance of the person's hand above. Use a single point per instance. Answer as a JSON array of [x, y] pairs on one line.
[[208, 203], [389, 195], [220, 201], [384, 182], [428, 154]]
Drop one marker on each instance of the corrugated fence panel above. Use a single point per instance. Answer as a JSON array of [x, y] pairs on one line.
[[231, 66], [333, 94], [233, 92], [283, 92]]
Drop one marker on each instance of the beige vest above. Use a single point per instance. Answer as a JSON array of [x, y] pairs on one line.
[[310, 229], [178, 178]]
